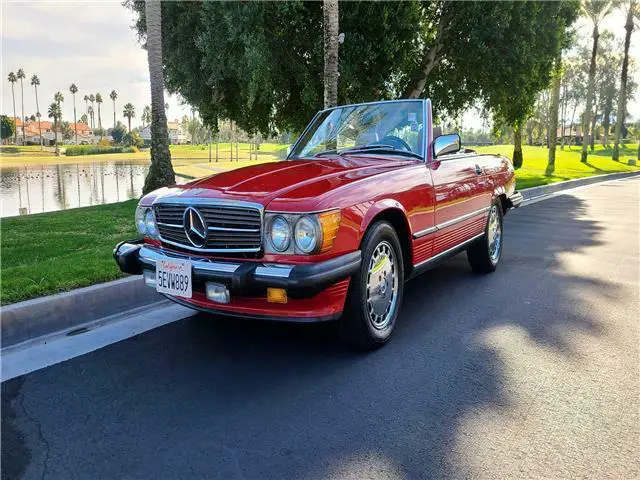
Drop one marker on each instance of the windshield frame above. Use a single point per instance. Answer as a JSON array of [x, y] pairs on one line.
[[426, 121]]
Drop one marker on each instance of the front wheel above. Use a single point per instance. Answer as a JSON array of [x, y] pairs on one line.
[[484, 254], [376, 290]]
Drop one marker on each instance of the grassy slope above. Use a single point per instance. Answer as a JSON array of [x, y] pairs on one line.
[[568, 165], [52, 252]]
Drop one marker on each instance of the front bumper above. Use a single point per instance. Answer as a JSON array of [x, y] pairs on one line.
[[244, 278]]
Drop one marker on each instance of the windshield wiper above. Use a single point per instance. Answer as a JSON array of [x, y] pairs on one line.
[[382, 149], [332, 151]]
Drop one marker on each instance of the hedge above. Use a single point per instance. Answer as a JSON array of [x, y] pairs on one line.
[[75, 150]]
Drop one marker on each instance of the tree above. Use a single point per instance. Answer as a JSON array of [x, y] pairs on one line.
[[161, 172], [21, 76], [99, 102], [13, 79], [511, 77], [92, 99], [331, 31], [553, 113], [91, 114], [595, 11], [113, 96], [118, 132], [146, 115], [8, 127], [74, 89], [632, 11], [86, 104], [66, 131], [84, 119], [35, 82], [129, 112], [59, 98], [55, 113], [132, 139]]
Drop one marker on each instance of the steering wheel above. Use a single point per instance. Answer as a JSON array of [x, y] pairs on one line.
[[396, 142]]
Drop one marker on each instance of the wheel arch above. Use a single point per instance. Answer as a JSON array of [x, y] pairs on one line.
[[500, 194], [394, 213]]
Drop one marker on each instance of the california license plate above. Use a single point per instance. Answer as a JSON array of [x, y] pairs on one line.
[[173, 277]]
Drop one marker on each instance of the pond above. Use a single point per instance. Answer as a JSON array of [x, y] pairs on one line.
[[46, 188]]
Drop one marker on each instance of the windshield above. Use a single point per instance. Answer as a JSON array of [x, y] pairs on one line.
[[385, 127]]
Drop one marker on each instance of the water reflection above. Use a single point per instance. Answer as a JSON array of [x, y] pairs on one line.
[[46, 188]]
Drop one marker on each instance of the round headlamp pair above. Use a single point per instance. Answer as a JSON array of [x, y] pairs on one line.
[[306, 234], [146, 222]]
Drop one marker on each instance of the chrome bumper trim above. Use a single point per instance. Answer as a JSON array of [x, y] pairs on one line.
[[151, 255]]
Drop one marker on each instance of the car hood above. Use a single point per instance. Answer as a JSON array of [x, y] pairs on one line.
[[284, 181]]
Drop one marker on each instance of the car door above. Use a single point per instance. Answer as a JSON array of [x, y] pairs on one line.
[[460, 199]]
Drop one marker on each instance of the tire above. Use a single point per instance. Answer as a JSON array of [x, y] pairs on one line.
[[485, 253], [372, 304]]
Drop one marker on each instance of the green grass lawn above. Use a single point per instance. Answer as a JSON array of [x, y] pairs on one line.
[[568, 165], [52, 252]]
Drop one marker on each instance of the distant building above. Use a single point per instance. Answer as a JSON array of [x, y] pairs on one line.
[[177, 134], [32, 133], [572, 134]]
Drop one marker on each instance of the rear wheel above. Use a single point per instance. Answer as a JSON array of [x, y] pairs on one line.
[[376, 290], [484, 254]]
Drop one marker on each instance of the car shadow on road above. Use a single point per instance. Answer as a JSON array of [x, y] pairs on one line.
[[229, 398]]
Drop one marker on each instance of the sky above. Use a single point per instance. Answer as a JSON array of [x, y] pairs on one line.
[[93, 45]]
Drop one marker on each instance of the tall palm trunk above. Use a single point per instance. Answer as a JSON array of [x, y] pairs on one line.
[[75, 122], [590, 87], [517, 144], [553, 117], [15, 132], [24, 139], [330, 10], [594, 119], [39, 115], [114, 114], [622, 95], [161, 171]]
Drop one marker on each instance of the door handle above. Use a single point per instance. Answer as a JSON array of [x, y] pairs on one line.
[[478, 170]]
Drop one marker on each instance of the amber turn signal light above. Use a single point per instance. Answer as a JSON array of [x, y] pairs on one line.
[[276, 295], [330, 223]]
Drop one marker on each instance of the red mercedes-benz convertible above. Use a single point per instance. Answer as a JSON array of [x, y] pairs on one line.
[[368, 197]]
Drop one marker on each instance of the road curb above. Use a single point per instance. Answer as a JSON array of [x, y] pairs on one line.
[[545, 190], [45, 315], [22, 321]]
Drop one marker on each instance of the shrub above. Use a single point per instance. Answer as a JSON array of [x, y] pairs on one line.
[[75, 150], [132, 139], [104, 143]]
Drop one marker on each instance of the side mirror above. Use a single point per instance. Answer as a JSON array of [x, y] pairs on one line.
[[446, 144]]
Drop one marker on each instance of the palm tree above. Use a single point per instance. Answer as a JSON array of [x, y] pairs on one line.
[[99, 102], [161, 172], [55, 113], [90, 111], [632, 9], [146, 115], [129, 112], [73, 89], [21, 76], [92, 99], [113, 96], [13, 79], [596, 11], [86, 104], [330, 25], [58, 98], [35, 81]]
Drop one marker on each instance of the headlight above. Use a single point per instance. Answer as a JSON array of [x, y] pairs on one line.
[[280, 233], [140, 221], [307, 234], [150, 224]]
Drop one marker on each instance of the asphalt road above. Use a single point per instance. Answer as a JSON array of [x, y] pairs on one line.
[[531, 372]]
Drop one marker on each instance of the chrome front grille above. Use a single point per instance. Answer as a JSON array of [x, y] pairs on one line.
[[230, 228]]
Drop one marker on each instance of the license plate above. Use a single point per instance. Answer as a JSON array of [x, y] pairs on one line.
[[173, 277]]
